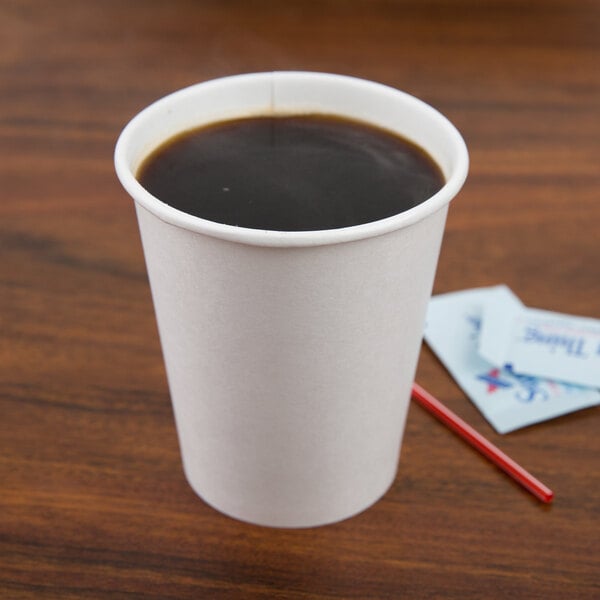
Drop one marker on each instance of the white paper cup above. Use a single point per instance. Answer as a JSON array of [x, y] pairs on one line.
[[290, 355]]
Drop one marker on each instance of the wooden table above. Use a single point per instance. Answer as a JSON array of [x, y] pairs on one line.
[[93, 502]]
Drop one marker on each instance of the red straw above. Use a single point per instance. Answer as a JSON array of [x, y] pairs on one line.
[[465, 431]]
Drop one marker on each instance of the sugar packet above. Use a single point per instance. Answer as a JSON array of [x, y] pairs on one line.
[[540, 342], [507, 399]]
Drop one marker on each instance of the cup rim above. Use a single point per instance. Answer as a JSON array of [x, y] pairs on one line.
[[266, 237]]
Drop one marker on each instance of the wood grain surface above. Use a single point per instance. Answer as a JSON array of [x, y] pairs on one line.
[[93, 501]]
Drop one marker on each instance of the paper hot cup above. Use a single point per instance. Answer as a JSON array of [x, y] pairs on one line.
[[290, 355]]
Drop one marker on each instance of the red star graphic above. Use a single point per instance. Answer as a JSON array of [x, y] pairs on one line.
[[493, 385]]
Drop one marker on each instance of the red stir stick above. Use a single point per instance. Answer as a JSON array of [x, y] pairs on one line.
[[465, 431]]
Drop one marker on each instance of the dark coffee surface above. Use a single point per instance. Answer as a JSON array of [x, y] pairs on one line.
[[297, 173]]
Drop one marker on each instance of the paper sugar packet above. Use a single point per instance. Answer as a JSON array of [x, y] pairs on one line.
[[540, 342], [507, 399]]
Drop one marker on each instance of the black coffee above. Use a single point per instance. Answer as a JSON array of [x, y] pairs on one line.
[[294, 173]]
